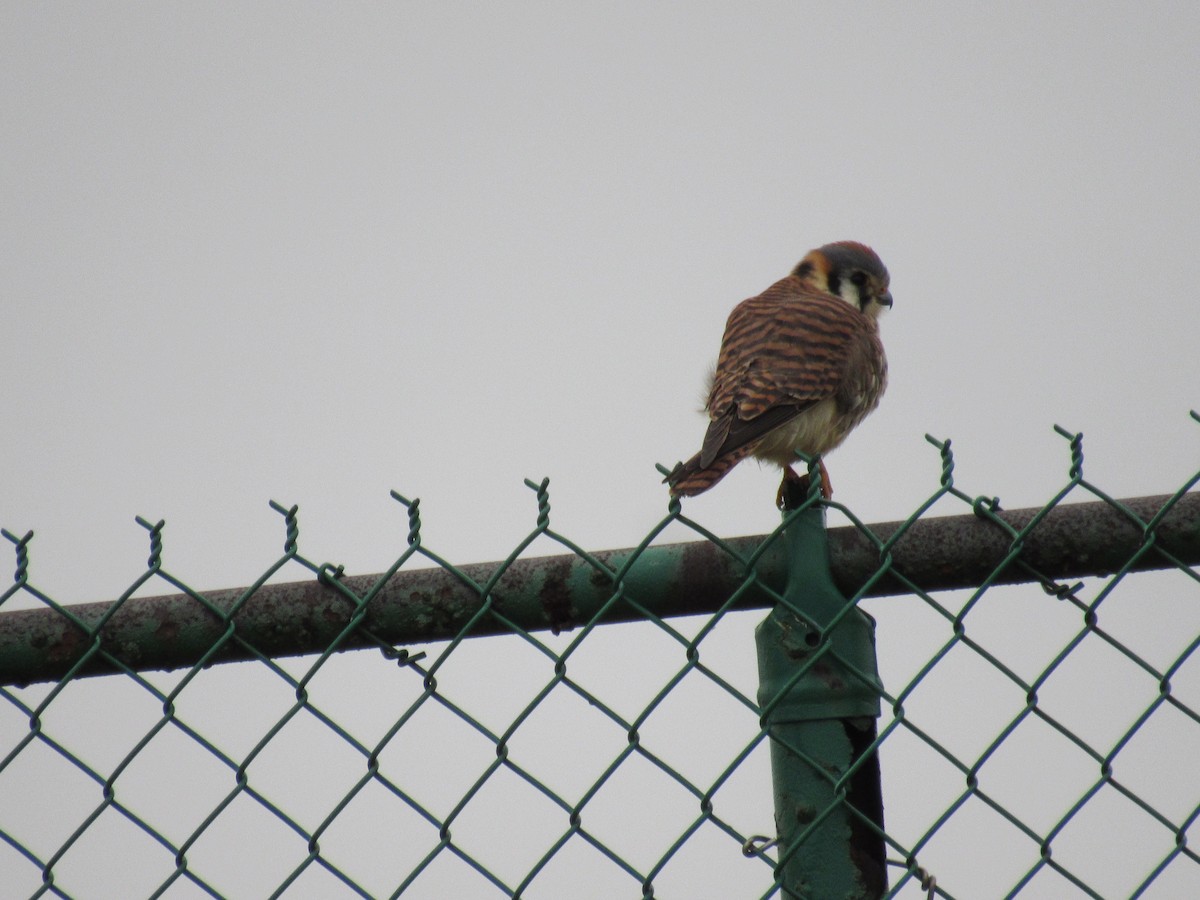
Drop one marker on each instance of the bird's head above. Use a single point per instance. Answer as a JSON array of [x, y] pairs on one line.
[[851, 271]]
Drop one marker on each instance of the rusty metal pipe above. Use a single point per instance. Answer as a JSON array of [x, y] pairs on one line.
[[556, 592]]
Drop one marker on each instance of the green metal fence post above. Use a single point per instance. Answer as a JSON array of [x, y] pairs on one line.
[[819, 691]]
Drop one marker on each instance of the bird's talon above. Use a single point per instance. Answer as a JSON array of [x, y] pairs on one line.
[[793, 489]]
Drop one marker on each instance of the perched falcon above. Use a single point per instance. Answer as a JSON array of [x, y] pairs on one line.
[[800, 366]]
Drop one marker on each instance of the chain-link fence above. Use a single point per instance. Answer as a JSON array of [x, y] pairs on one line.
[[1038, 729]]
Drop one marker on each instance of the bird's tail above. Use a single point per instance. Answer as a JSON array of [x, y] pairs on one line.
[[689, 479]]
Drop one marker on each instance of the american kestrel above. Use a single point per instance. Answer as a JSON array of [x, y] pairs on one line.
[[800, 366]]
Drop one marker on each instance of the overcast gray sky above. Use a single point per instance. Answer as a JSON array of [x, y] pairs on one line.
[[312, 252]]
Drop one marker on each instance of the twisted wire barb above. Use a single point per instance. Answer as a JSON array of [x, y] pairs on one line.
[[543, 501], [414, 517], [291, 524], [21, 546], [156, 544], [1076, 441], [947, 459]]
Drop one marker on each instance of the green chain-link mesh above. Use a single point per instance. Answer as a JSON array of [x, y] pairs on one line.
[[617, 760]]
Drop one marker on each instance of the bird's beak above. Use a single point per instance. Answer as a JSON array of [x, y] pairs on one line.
[[885, 299]]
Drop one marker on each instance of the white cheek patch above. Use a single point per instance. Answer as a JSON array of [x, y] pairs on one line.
[[848, 291]]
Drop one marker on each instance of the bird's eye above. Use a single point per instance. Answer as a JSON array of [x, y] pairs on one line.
[[858, 278]]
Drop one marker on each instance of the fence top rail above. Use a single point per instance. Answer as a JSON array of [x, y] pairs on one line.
[[412, 606]]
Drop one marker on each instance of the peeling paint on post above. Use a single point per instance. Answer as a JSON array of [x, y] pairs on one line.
[[819, 691]]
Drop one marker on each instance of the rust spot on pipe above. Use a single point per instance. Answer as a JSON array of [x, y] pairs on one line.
[[555, 595]]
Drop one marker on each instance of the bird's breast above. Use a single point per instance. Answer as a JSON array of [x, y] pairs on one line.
[[817, 430]]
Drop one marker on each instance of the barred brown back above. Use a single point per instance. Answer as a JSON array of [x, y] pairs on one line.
[[783, 353]]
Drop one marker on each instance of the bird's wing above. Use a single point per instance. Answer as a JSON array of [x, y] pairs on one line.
[[783, 351], [865, 376]]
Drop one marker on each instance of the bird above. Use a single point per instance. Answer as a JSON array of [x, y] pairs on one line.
[[800, 366]]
